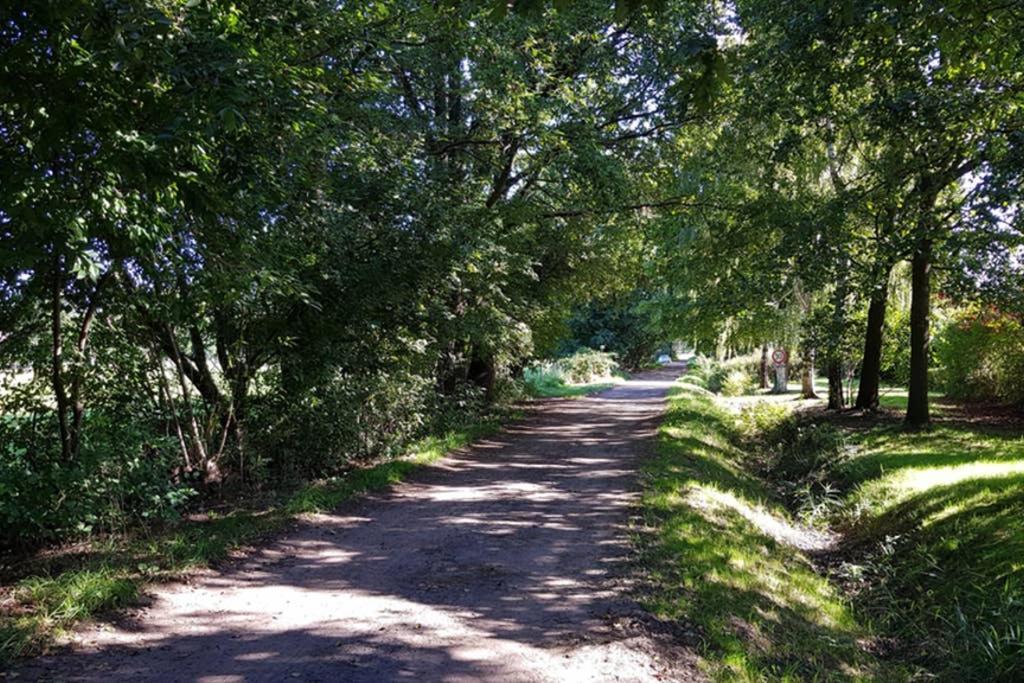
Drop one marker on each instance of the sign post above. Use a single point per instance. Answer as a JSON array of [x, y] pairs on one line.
[[780, 361]]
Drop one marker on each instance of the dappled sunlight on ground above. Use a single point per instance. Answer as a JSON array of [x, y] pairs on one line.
[[779, 528], [725, 557], [503, 562]]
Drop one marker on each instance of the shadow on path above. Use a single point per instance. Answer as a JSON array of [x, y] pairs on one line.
[[504, 562]]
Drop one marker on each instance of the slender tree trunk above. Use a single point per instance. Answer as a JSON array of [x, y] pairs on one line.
[[807, 378], [764, 366], [197, 438], [172, 410], [871, 365], [76, 401], [57, 352], [920, 313], [836, 396], [835, 361]]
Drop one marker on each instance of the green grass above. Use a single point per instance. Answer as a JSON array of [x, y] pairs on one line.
[[932, 524], [938, 517], [712, 559], [548, 381], [109, 573], [932, 551], [556, 388]]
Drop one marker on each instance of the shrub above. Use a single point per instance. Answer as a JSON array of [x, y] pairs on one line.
[[554, 377], [121, 476], [980, 355], [737, 383], [623, 327], [738, 372], [587, 365], [895, 362], [762, 417], [352, 418]]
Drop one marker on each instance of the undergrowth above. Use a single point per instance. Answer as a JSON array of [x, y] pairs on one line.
[[584, 372]]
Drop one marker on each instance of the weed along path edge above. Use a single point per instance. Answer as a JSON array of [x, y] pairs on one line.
[[504, 562]]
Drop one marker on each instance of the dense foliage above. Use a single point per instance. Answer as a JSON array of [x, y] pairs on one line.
[[623, 326], [249, 243], [246, 245], [981, 356], [234, 234]]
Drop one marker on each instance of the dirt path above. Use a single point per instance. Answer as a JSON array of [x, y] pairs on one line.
[[503, 563]]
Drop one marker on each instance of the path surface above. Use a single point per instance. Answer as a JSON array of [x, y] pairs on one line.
[[503, 563]]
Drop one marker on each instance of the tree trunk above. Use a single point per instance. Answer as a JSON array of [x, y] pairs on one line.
[[836, 396], [57, 361], [834, 361], [482, 372], [871, 366], [764, 366], [920, 312], [807, 378]]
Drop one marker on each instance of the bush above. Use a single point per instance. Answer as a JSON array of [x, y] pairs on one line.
[[761, 418], [737, 383], [122, 476], [980, 355], [557, 377], [350, 419], [895, 362], [733, 377], [623, 327], [587, 365]]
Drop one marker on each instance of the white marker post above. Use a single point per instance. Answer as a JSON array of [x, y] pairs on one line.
[[780, 359]]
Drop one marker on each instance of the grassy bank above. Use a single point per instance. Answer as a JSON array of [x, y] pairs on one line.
[[934, 523], [926, 573], [723, 554], [49, 594]]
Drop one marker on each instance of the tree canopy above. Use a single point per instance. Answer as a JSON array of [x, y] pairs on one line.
[[252, 241]]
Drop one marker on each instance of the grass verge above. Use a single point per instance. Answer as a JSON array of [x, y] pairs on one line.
[[935, 521], [723, 554], [105, 574], [932, 524]]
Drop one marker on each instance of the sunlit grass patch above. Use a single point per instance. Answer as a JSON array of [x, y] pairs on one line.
[[940, 516], [559, 389], [715, 558], [584, 372], [952, 467], [933, 529]]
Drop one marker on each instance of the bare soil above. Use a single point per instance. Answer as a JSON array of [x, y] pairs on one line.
[[508, 561]]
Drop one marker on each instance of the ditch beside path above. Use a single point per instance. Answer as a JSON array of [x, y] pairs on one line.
[[504, 562]]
